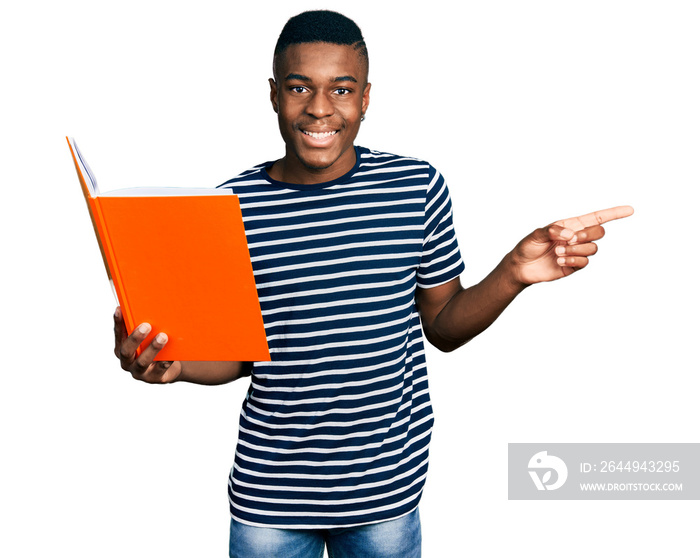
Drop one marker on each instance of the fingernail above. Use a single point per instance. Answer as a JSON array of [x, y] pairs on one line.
[[144, 329], [561, 261], [162, 338], [567, 233], [560, 250]]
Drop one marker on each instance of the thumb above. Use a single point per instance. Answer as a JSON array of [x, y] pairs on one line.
[[559, 233]]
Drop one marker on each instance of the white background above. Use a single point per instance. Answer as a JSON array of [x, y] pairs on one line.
[[533, 110]]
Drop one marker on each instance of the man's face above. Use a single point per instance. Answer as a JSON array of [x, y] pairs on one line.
[[320, 93]]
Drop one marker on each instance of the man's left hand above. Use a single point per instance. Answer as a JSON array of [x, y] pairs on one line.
[[563, 247]]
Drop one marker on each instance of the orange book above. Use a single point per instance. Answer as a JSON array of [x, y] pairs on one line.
[[178, 259]]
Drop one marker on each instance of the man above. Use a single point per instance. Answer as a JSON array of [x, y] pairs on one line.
[[355, 255]]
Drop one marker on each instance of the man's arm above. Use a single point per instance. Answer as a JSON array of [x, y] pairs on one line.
[[452, 315], [164, 372]]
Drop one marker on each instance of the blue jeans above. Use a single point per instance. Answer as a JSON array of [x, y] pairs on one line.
[[398, 538]]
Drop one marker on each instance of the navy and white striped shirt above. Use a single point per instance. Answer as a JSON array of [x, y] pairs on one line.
[[335, 429]]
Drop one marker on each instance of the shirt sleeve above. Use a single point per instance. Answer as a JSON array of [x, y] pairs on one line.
[[441, 260]]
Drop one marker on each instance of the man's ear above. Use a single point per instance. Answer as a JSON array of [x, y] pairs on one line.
[[273, 95], [365, 98]]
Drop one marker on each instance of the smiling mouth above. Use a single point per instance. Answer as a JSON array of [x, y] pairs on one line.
[[320, 135]]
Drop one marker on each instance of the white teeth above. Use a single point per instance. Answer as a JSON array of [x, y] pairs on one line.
[[319, 135]]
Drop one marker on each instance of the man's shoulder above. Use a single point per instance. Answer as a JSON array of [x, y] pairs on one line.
[[373, 161], [252, 175], [375, 157]]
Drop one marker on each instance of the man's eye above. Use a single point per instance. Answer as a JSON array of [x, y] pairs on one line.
[[342, 91], [298, 89]]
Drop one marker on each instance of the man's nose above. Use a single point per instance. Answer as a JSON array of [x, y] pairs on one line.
[[320, 105]]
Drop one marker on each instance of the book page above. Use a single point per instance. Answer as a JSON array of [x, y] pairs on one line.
[[165, 191], [85, 171], [150, 191]]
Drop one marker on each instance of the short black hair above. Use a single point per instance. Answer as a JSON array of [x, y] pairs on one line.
[[321, 26]]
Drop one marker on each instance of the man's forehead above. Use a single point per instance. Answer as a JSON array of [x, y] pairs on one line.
[[320, 61]]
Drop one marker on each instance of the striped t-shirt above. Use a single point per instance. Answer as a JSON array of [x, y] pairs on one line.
[[334, 431]]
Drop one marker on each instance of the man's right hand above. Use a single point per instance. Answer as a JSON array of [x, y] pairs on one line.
[[142, 367]]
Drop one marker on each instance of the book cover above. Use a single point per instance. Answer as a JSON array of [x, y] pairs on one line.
[[178, 259]]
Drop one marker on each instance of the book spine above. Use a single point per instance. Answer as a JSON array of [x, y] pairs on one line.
[[102, 235], [111, 262]]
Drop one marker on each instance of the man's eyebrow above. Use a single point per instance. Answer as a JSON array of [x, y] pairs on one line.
[[301, 77], [298, 77]]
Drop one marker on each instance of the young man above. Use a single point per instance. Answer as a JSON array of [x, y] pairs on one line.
[[354, 256]]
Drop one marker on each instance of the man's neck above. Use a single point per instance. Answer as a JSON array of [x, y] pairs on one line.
[[292, 171]]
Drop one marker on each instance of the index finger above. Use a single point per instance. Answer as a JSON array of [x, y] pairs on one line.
[[128, 347], [597, 217]]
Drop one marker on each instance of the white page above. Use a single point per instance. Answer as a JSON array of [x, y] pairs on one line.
[[139, 191]]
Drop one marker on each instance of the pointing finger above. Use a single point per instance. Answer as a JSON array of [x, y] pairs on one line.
[[597, 217]]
